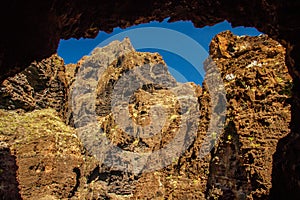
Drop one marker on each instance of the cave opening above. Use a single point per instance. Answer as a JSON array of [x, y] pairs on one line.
[[183, 47], [43, 23]]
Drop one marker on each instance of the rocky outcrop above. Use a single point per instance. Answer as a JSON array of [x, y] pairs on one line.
[[41, 85], [240, 166], [51, 160], [119, 172], [47, 161], [258, 91]]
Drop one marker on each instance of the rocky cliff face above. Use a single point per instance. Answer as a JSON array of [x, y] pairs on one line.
[[259, 95], [46, 159], [41, 85], [32, 31]]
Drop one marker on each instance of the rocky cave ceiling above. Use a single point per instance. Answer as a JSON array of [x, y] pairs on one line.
[[31, 30]]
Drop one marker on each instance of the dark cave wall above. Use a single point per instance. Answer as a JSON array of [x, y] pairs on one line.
[[31, 30]]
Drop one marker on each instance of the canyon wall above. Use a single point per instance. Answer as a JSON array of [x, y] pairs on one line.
[[32, 30], [49, 154]]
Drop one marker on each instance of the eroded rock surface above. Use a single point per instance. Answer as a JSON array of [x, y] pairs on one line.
[[54, 161], [258, 90], [51, 162], [155, 90], [32, 31], [41, 85]]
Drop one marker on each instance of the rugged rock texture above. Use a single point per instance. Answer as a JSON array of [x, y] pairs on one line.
[[43, 23], [120, 179], [259, 95], [46, 159], [8, 177], [240, 166], [51, 161], [41, 85], [32, 31]]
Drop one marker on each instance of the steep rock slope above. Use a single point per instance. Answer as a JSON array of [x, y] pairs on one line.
[[54, 161], [41, 85], [259, 95], [32, 31], [121, 179], [50, 161]]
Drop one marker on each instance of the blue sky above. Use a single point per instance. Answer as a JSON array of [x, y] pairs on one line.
[[176, 43]]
